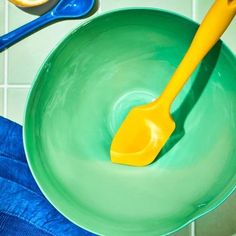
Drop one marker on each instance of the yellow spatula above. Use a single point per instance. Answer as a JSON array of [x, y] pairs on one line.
[[147, 128]]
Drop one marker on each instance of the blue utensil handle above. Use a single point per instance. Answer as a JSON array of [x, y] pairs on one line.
[[11, 38]]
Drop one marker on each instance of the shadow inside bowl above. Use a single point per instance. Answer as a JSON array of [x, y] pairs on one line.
[[204, 74]]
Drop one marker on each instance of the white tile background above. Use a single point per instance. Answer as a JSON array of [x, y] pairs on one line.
[[17, 73]]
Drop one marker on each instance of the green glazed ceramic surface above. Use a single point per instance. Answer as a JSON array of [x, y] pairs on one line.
[[80, 97]]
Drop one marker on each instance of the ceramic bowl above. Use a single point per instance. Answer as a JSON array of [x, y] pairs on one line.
[[82, 93]]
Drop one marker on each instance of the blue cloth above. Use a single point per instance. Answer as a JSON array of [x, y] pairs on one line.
[[23, 208]]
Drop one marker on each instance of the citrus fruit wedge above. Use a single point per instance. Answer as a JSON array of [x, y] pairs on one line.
[[28, 3]]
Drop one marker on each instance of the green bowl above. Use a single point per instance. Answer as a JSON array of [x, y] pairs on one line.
[[80, 97]]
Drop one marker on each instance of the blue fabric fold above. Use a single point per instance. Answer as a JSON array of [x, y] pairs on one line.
[[24, 211], [11, 141]]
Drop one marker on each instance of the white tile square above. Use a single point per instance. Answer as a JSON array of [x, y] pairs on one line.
[[2, 24], [183, 7], [1, 101], [16, 102], [1, 68], [2, 16]]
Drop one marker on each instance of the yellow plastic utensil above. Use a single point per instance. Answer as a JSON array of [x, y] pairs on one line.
[[147, 128]]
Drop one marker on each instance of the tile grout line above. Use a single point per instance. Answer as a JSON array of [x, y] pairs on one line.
[[99, 9], [193, 229], [193, 224], [6, 28], [194, 10], [20, 86]]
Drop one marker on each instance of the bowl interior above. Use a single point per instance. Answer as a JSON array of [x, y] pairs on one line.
[[80, 97]]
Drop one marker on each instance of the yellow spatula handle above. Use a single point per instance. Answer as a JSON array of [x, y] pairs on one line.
[[213, 26]]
